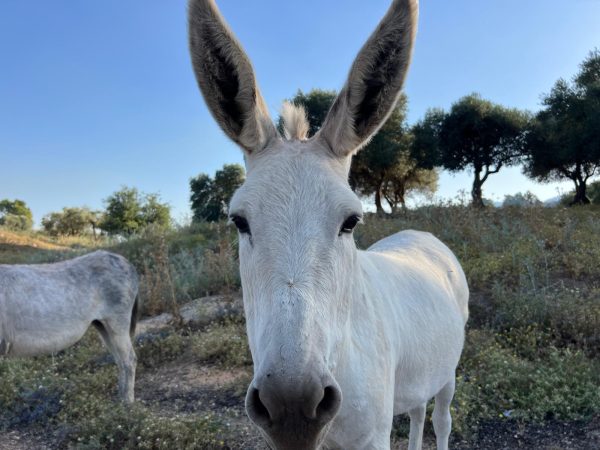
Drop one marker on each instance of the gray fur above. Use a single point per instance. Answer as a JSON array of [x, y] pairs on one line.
[[45, 308]]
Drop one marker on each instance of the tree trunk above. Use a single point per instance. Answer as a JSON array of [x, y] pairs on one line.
[[389, 202], [581, 197], [401, 196], [476, 193], [378, 205], [403, 204]]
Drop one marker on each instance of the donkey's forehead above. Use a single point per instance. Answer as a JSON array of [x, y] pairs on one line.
[[293, 173], [297, 155]]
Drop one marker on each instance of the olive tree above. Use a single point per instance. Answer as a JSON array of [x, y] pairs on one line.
[[15, 215], [210, 197], [564, 138]]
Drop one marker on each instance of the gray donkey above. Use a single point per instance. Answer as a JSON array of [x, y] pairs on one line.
[[45, 308]]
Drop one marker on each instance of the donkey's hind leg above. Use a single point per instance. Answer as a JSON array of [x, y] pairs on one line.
[[119, 344], [417, 422], [442, 421]]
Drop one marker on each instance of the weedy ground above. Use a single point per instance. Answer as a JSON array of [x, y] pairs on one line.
[[529, 376]]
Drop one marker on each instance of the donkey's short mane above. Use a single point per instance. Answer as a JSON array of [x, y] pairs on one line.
[[295, 124]]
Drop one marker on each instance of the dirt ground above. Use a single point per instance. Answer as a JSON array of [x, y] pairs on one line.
[[184, 387], [187, 388]]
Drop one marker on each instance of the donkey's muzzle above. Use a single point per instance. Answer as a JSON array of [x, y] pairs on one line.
[[293, 414]]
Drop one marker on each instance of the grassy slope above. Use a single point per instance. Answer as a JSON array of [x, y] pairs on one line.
[[530, 360], [21, 247]]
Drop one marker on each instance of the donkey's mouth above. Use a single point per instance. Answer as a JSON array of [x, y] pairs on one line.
[[299, 436]]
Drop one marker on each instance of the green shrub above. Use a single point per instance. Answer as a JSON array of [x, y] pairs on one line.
[[156, 349], [222, 344], [116, 427], [505, 378]]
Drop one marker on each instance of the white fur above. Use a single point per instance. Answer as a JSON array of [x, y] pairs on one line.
[[382, 328], [387, 323]]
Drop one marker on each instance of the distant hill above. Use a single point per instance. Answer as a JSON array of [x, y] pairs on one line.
[[552, 201]]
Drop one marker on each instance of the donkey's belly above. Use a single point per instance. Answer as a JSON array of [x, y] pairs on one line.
[[43, 341]]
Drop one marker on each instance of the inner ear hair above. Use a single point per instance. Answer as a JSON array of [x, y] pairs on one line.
[[226, 78], [374, 82]]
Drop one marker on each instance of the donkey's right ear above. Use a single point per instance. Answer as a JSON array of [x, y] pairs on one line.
[[226, 78]]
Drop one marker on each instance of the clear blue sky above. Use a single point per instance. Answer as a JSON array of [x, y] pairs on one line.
[[96, 95]]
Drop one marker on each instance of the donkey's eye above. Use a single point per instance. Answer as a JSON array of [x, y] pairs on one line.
[[349, 224], [241, 223]]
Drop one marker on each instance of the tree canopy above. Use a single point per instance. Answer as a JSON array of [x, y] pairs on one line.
[[564, 138], [386, 169], [406, 177], [210, 197], [71, 222], [15, 214], [129, 211], [475, 134]]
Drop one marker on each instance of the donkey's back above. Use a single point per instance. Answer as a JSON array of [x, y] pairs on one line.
[[47, 307], [427, 256]]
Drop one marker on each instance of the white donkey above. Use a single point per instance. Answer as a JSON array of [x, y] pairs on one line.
[[45, 308], [341, 339]]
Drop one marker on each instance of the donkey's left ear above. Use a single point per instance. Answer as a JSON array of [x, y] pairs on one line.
[[226, 78], [374, 82]]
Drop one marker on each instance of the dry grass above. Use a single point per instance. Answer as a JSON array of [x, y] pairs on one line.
[[8, 237]]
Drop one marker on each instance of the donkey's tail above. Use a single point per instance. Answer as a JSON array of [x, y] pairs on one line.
[[134, 317]]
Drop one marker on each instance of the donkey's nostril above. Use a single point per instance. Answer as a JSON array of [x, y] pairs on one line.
[[257, 411], [329, 404]]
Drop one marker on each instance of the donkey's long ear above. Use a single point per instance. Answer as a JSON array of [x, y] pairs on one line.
[[374, 82], [226, 78]]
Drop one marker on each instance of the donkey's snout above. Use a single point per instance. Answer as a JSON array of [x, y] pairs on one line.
[[293, 411], [268, 405]]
